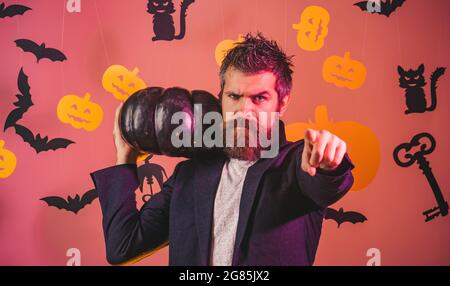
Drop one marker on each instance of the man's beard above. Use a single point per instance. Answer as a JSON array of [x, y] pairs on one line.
[[251, 151]]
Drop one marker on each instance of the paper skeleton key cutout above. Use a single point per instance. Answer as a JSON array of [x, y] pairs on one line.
[[406, 154]]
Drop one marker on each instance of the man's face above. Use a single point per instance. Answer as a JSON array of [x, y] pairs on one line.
[[250, 94]]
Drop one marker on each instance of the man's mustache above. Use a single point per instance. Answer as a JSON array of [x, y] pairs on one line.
[[246, 122]]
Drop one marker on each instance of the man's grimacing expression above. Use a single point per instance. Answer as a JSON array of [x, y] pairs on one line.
[[252, 93]]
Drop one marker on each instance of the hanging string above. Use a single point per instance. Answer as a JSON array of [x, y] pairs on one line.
[[100, 27], [440, 36], [325, 44], [223, 18], [169, 63], [360, 98], [62, 47], [326, 50], [19, 36], [63, 24], [364, 36], [399, 43], [255, 20], [285, 24]]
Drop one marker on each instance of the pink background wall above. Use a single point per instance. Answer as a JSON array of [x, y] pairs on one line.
[[108, 32]]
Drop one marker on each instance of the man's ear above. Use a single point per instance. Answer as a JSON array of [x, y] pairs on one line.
[[284, 104]]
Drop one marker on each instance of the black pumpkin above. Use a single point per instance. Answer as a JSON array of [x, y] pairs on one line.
[[145, 119]]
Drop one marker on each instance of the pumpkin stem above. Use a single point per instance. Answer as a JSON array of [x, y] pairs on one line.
[[347, 56], [321, 114], [135, 71], [2, 143], [87, 96]]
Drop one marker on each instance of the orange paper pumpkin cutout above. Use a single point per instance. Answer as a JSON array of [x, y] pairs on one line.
[[313, 28], [363, 145], [80, 112], [8, 161], [223, 47], [121, 82], [142, 157], [344, 72]]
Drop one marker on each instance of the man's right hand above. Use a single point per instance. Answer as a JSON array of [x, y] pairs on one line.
[[125, 153]]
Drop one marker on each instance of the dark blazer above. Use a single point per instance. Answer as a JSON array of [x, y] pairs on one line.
[[280, 214]]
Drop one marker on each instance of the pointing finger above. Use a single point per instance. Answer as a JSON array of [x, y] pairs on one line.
[[318, 149], [310, 136]]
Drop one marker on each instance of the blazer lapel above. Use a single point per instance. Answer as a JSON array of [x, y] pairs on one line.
[[206, 182]]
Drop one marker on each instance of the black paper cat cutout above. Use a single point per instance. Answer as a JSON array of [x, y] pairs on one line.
[[163, 25], [413, 81]]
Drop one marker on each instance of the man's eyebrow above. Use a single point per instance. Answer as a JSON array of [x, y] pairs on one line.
[[233, 93], [265, 92]]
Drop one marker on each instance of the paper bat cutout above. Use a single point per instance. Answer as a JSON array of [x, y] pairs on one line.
[[41, 52], [386, 7], [24, 102], [38, 143], [72, 204], [41, 144], [12, 10], [341, 216]]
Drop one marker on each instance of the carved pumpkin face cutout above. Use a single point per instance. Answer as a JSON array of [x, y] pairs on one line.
[[121, 82], [313, 28], [362, 143], [80, 112], [344, 72], [223, 47], [8, 161]]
